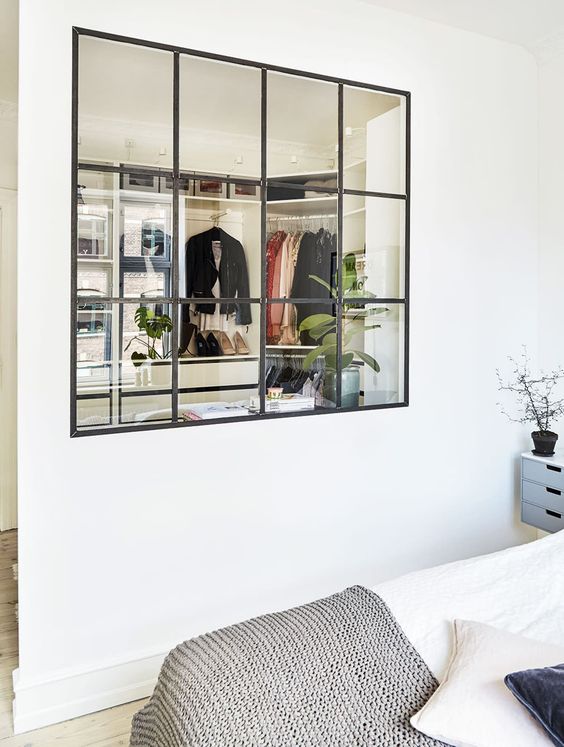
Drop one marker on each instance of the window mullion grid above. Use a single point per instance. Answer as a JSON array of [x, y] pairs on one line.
[[339, 248], [263, 193], [175, 248], [407, 247], [74, 233]]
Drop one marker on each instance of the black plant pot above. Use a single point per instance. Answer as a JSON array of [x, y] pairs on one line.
[[544, 441]]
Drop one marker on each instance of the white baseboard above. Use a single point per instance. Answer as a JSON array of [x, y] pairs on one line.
[[46, 702]]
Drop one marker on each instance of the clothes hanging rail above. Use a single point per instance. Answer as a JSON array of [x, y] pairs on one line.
[[214, 217], [301, 217]]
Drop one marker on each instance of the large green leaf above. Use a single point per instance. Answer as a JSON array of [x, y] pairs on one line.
[[138, 358], [324, 283], [369, 360], [331, 361], [323, 329], [315, 320], [314, 354], [358, 293], [346, 360], [330, 338]]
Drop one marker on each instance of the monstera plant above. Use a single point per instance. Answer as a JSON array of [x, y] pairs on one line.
[[154, 326], [356, 319]]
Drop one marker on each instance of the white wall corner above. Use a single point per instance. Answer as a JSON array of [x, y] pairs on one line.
[[548, 48], [41, 703]]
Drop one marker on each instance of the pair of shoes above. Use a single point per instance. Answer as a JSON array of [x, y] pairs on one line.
[[202, 346], [240, 344], [238, 347], [188, 347], [216, 343]]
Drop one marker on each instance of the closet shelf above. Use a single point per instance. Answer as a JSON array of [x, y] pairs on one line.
[[218, 358], [321, 205], [301, 175], [206, 203], [291, 347]]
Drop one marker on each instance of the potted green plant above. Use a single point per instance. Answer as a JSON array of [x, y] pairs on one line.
[[537, 402], [155, 326], [322, 328]]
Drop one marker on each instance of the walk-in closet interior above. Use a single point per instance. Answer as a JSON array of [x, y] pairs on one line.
[[240, 239]]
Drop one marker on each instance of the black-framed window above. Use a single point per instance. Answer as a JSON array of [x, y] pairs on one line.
[[240, 239]]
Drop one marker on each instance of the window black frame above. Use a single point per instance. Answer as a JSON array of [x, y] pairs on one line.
[[175, 298]]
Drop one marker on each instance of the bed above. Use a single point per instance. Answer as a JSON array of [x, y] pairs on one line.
[[354, 668]]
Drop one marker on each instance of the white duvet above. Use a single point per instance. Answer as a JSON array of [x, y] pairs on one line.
[[520, 590]]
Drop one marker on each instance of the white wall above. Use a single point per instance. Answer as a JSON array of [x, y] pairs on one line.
[[551, 213], [118, 561]]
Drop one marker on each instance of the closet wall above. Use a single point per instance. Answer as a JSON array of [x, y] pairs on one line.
[[132, 542]]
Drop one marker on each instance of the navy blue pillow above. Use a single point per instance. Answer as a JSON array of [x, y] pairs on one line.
[[541, 691]]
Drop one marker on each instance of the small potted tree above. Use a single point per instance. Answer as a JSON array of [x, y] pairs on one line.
[[357, 319], [155, 326], [537, 402]]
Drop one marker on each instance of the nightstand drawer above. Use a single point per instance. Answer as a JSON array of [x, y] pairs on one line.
[[543, 472], [542, 495], [542, 518]]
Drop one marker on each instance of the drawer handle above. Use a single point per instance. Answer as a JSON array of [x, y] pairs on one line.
[[553, 513], [553, 491], [553, 468]]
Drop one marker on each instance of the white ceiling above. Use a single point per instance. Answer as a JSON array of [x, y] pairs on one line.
[[524, 22]]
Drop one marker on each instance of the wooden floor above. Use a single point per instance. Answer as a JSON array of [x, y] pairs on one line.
[[104, 729]]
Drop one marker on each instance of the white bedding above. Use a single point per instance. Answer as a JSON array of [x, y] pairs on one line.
[[520, 590]]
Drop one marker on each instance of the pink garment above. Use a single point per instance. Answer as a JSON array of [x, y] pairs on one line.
[[274, 245], [277, 309], [288, 327]]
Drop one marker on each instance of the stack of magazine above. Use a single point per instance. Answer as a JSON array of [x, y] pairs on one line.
[[285, 403], [212, 410]]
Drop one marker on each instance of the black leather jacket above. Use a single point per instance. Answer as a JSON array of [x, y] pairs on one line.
[[201, 273]]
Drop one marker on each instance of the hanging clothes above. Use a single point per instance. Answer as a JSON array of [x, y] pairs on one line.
[[288, 325], [316, 256], [217, 320], [272, 251], [232, 274]]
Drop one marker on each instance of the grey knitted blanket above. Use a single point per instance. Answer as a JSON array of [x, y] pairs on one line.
[[333, 673]]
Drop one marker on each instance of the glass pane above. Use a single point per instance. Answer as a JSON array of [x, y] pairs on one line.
[[148, 284], [301, 249], [373, 141], [302, 127], [111, 213], [95, 213], [145, 226], [220, 123], [93, 280], [373, 246], [218, 367], [124, 103], [220, 240], [373, 355], [296, 366], [115, 384]]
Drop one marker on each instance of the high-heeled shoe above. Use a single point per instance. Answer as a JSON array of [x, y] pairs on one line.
[[202, 346], [240, 344], [213, 344], [225, 343], [188, 345]]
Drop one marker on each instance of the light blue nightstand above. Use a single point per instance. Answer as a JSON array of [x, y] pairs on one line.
[[542, 491]]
